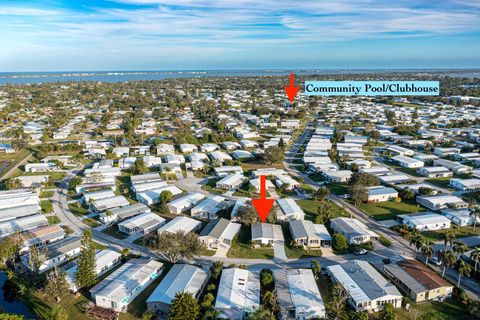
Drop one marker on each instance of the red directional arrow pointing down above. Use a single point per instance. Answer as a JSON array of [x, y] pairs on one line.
[[291, 90], [263, 205]]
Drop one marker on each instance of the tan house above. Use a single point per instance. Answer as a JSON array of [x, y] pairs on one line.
[[417, 281]]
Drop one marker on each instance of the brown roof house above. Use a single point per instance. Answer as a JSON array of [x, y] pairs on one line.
[[418, 281]]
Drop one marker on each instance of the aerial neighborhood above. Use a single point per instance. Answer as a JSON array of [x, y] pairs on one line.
[[134, 201]]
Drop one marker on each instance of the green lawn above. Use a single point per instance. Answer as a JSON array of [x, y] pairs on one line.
[[389, 209], [448, 309], [310, 208], [92, 223], [13, 159], [53, 219], [47, 194], [241, 247], [317, 177], [46, 206], [338, 188], [440, 182], [206, 252], [460, 232], [77, 210]]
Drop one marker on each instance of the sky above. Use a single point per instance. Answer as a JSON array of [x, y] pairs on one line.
[[99, 35]]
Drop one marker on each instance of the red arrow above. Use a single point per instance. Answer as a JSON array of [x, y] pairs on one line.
[[291, 90], [263, 205]]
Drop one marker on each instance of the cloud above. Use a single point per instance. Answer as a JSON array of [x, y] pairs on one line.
[[202, 27]]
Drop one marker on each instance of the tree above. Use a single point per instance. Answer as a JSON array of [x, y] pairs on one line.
[[267, 279], [139, 167], [388, 312], [11, 316], [9, 247], [475, 256], [417, 242], [260, 314], [175, 246], [407, 194], [166, 196], [13, 183], [86, 274], [247, 215], [36, 258], [339, 242], [459, 248], [425, 191], [316, 268], [273, 155], [57, 285], [427, 250], [324, 212], [463, 269], [184, 307], [448, 238], [57, 312], [321, 193], [449, 259], [474, 213], [361, 315], [358, 193], [74, 182], [364, 179], [339, 297]]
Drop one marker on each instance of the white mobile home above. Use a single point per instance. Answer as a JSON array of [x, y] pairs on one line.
[[238, 293], [180, 278], [125, 284]]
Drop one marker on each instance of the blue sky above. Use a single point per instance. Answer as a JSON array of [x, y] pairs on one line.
[[59, 35]]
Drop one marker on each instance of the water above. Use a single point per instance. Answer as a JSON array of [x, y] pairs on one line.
[[123, 76], [8, 301]]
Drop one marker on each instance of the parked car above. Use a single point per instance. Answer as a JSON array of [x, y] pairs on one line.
[[359, 251], [435, 260]]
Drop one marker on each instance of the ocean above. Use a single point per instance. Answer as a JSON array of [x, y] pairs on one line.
[[124, 76]]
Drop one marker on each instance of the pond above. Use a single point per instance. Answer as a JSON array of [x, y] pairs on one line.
[[8, 301]]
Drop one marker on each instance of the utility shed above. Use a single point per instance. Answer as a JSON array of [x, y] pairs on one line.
[[182, 277]]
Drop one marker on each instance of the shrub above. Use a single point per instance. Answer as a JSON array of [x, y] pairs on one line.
[[384, 241], [339, 242]]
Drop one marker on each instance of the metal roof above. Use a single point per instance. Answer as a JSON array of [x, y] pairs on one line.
[[362, 281], [181, 223], [119, 285], [181, 277], [305, 294], [238, 290], [62, 247], [267, 231]]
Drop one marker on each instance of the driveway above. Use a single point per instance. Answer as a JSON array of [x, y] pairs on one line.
[[279, 249]]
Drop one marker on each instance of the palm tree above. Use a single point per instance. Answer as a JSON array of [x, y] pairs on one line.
[[417, 242], [475, 256], [464, 269], [449, 238], [474, 214], [449, 259], [459, 248], [427, 250]]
